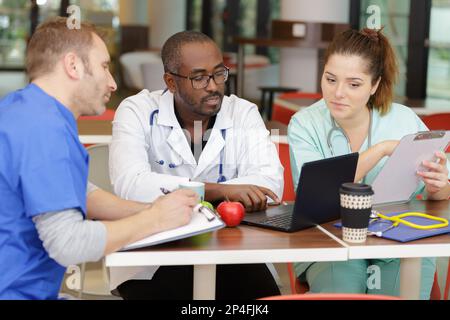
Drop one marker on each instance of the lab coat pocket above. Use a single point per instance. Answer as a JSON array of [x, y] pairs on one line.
[[164, 162]]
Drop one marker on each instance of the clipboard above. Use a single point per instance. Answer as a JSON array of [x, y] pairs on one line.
[[199, 224], [397, 182]]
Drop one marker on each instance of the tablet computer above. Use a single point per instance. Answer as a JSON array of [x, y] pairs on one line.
[[398, 180]]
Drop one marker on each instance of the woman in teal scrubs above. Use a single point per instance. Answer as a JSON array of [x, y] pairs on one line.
[[357, 115]]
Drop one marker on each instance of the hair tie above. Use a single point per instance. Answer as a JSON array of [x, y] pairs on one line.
[[372, 34]]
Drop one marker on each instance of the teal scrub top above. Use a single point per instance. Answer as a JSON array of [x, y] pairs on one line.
[[309, 129]]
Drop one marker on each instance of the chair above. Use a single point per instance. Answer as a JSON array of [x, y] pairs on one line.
[[284, 114], [99, 166], [298, 287], [435, 289], [98, 175], [153, 75], [267, 103], [437, 121], [283, 153], [331, 296], [131, 67]]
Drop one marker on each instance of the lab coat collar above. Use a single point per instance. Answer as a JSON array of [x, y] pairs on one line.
[[178, 141], [167, 117], [224, 118], [212, 151]]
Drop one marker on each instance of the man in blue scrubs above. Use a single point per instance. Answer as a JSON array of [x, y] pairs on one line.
[[44, 201]]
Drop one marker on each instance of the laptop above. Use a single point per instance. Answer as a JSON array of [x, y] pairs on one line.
[[317, 200]]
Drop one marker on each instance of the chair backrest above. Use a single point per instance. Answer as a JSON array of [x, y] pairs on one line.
[[153, 73], [437, 121], [99, 166], [298, 287], [331, 296], [283, 152], [283, 114], [131, 66], [292, 278]]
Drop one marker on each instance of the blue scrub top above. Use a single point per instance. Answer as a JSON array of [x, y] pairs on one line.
[[43, 168]]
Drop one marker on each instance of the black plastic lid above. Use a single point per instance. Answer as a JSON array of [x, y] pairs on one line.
[[357, 188]]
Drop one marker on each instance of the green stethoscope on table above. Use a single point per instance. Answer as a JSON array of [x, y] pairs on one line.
[[399, 219]]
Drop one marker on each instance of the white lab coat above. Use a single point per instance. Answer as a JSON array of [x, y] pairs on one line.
[[145, 158], [137, 148]]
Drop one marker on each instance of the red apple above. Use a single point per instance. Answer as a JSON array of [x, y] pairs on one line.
[[231, 213]]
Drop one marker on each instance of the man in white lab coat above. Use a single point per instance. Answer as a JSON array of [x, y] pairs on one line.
[[191, 131]]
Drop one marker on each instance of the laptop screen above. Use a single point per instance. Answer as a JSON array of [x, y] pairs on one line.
[[318, 199]]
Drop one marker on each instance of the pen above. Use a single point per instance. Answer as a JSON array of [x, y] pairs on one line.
[[165, 191], [200, 208]]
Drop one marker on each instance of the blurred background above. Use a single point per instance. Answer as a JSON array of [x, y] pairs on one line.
[[418, 28]]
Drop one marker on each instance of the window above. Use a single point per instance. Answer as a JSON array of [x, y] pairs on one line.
[[15, 24], [395, 19], [14, 28], [233, 18], [439, 58]]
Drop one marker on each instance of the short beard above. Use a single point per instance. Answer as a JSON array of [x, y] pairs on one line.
[[186, 100], [192, 105], [87, 104]]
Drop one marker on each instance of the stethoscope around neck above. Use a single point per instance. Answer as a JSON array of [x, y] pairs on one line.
[[221, 178], [336, 128]]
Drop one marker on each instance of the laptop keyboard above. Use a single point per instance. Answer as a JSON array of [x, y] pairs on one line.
[[282, 221]]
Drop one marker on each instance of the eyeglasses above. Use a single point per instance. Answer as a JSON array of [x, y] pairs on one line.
[[202, 81]]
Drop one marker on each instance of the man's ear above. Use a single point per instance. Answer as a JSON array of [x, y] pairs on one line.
[[72, 66], [170, 82]]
